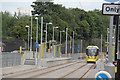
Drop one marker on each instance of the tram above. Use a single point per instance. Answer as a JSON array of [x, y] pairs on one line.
[[92, 53]]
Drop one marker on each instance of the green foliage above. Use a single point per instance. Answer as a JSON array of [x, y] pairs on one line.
[[87, 25]]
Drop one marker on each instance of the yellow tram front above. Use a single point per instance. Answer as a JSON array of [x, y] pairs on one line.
[[92, 53]]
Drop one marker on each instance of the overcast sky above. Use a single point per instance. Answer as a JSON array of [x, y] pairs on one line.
[[12, 5]]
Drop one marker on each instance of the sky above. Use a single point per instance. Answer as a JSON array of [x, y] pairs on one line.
[[12, 5]]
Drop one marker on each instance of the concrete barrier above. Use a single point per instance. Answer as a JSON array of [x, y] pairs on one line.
[[28, 55], [11, 59]]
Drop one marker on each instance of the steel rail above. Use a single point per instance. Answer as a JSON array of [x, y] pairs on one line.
[[71, 72], [92, 67], [44, 73], [16, 75]]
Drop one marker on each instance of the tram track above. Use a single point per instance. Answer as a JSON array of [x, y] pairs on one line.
[[73, 72], [86, 73], [40, 73], [50, 71], [37, 70]]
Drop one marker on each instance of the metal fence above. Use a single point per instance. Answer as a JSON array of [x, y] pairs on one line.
[[83, 44], [11, 59]]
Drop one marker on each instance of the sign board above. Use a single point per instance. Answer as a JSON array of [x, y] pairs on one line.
[[37, 45], [108, 44], [78, 45], [78, 50], [103, 75], [110, 9], [112, 0]]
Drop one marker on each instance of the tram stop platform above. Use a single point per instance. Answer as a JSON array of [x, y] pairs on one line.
[[15, 69], [47, 62], [54, 61]]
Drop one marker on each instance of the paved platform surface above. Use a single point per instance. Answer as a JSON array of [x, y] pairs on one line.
[[15, 69], [48, 62]]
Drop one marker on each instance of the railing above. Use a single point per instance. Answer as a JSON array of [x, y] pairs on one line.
[[10, 59]]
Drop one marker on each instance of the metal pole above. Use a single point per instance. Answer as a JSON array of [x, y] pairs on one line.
[[31, 35], [81, 50], [53, 33], [81, 46], [41, 29], [107, 37], [101, 43], [66, 42], [41, 41], [116, 37], [73, 44], [28, 37], [46, 33], [41, 33], [109, 67], [116, 47], [37, 31], [60, 37], [36, 39], [110, 56], [70, 45]]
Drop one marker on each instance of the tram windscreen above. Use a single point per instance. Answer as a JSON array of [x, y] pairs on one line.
[[92, 51]]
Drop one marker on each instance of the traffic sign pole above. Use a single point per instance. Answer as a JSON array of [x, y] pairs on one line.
[[116, 47], [110, 56], [116, 36], [113, 9], [109, 67]]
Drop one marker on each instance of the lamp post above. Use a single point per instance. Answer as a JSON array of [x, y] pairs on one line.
[[73, 43], [28, 35], [31, 35], [53, 31], [31, 30], [37, 30], [70, 44], [46, 31], [60, 35], [36, 39], [101, 43], [66, 41]]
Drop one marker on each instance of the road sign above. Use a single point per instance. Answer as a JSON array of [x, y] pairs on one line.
[[112, 0], [110, 9], [108, 44], [78, 50], [103, 75], [37, 45], [78, 45]]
